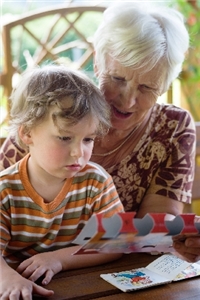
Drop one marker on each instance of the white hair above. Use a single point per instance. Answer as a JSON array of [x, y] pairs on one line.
[[139, 36]]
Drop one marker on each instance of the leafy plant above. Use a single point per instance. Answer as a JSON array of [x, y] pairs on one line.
[[190, 77]]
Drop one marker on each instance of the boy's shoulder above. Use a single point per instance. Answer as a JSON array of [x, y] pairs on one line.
[[95, 168], [9, 178], [10, 171]]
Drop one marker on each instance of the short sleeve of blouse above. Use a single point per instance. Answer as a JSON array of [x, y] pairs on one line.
[[174, 176]]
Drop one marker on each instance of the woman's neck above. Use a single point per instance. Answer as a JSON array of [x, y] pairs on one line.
[[117, 144]]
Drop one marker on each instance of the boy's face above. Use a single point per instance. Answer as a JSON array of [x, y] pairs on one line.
[[61, 153]]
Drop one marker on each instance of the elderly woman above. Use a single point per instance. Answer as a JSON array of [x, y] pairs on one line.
[[150, 148]]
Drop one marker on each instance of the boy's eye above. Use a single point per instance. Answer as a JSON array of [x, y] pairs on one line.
[[64, 138], [89, 140]]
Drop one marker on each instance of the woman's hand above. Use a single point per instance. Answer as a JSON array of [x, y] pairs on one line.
[[189, 248], [43, 264]]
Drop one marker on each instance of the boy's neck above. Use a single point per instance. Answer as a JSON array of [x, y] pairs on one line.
[[45, 186]]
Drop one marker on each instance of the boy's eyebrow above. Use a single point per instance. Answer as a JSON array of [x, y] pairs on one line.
[[70, 132]]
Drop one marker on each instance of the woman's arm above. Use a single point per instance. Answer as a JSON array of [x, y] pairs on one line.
[[160, 204]]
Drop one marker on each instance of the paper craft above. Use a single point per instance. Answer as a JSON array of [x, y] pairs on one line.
[[123, 233], [163, 270]]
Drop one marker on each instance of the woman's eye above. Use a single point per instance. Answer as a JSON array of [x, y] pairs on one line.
[[118, 78], [144, 87]]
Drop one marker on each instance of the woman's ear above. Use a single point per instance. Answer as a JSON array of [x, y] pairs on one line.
[[25, 135], [96, 71]]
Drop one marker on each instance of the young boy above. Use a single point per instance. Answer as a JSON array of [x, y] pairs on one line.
[[47, 198]]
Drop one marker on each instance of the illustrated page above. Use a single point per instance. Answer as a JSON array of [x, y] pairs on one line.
[[163, 270], [134, 279]]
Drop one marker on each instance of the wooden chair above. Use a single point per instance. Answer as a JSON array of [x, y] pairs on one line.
[[53, 33], [196, 184]]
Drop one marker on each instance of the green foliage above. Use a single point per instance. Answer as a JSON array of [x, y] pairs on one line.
[[190, 79]]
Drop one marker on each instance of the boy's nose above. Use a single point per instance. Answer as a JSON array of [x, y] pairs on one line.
[[76, 151]]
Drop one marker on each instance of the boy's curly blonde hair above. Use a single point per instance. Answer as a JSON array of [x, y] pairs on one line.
[[72, 91]]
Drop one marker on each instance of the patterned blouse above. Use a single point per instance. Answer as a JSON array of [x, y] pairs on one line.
[[161, 163]]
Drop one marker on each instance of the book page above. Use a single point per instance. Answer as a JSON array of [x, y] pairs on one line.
[[168, 266], [134, 279], [191, 271]]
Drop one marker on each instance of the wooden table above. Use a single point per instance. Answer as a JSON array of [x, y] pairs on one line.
[[86, 283]]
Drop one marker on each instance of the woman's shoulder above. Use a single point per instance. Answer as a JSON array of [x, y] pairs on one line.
[[10, 153], [171, 114]]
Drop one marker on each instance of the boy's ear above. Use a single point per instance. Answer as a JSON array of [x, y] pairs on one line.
[[25, 135]]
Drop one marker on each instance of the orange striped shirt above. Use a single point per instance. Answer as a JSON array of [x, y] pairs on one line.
[[29, 225]]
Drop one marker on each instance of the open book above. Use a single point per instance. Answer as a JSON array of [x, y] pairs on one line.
[[123, 233], [163, 270]]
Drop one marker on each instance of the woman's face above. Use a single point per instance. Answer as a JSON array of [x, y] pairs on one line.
[[130, 93]]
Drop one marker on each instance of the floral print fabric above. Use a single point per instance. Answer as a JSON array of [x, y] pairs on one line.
[[162, 162]]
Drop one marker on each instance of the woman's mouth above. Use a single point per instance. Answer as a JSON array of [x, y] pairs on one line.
[[120, 114]]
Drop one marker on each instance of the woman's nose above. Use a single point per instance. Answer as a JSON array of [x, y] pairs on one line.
[[129, 98]]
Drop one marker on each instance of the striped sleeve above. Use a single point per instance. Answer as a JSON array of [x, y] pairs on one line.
[[102, 196]]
